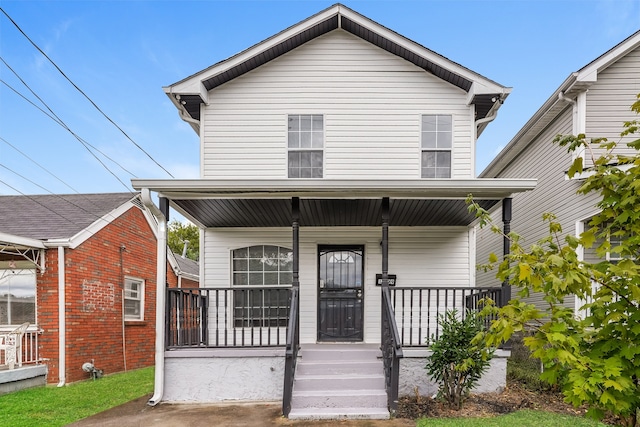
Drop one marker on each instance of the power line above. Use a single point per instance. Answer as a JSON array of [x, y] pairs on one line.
[[59, 122], [38, 164], [65, 126], [84, 94]]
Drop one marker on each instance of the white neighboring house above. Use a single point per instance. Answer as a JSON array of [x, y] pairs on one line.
[[336, 157], [594, 101]]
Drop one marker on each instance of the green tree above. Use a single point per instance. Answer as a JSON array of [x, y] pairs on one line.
[[594, 359], [179, 233]]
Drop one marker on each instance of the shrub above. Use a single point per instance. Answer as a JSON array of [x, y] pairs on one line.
[[459, 356]]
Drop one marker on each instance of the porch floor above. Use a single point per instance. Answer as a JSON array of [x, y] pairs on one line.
[[339, 381]]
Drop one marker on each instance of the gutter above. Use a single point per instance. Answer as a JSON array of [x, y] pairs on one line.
[[160, 296]]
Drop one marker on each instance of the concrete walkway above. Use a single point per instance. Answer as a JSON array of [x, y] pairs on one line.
[[138, 414]]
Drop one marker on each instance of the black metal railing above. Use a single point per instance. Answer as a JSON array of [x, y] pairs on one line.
[[227, 317], [417, 309], [291, 353], [391, 350]]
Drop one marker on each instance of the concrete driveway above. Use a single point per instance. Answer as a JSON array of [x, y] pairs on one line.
[[138, 414]]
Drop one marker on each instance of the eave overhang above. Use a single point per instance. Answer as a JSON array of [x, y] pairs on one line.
[[188, 94], [577, 82], [245, 203]]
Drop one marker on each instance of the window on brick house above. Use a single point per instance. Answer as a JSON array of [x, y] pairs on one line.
[[17, 296], [133, 299]]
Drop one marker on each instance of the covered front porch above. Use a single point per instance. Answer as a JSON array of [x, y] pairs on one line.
[[371, 264]]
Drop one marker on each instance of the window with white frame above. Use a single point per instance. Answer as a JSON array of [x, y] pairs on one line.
[[436, 143], [133, 299], [265, 274], [306, 143], [17, 296]]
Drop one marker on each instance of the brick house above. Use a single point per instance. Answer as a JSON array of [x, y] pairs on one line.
[[100, 306]]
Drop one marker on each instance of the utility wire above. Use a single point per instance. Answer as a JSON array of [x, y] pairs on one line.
[[67, 127], [84, 94], [38, 164], [56, 195], [59, 122], [34, 200]]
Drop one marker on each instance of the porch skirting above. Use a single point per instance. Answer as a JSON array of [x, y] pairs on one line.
[[257, 374], [21, 378], [219, 375], [413, 374]]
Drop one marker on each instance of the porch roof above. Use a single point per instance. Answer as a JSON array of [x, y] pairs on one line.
[[329, 202]]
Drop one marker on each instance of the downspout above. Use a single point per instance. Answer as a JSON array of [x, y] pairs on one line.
[[62, 327], [160, 296]]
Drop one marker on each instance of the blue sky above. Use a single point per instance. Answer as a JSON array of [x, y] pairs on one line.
[[121, 54]]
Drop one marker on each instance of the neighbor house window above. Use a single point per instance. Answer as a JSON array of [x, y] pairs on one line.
[[436, 143], [17, 296], [306, 143], [133, 299], [265, 274]]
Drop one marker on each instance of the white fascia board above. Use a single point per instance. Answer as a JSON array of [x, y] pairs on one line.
[[23, 242], [341, 189], [589, 73], [485, 85], [99, 224], [525, 135], [193, 84]]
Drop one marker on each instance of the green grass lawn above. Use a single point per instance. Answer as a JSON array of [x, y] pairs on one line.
[[524, 418], [53, 406]]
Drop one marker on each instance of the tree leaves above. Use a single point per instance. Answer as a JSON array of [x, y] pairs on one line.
[[594, 358]]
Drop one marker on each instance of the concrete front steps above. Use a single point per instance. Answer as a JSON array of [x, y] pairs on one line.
[[339, 381]]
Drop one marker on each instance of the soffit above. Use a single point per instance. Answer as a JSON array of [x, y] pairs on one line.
[[335, 17], [327, 212]]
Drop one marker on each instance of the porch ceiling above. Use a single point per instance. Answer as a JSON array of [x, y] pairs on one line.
[[326, 212], [246, 203]]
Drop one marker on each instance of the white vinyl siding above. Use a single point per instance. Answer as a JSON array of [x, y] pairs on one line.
[[553, 193], [419, 256], [609, 101], [371, 101]]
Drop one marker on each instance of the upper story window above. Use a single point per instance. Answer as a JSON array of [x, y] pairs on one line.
[[133, 299], [17, 296], [306, 143], [436, 143]]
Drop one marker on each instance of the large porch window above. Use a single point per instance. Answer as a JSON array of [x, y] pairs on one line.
[[258, 269], [17, 296]]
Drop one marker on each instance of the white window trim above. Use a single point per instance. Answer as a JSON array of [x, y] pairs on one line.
[[304, 149], [449, 150], [141, 282]]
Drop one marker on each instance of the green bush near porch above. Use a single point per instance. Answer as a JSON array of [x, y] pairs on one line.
[[53, 406], [524, 418]]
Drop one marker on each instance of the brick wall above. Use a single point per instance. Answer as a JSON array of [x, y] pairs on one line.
[[95, 273]]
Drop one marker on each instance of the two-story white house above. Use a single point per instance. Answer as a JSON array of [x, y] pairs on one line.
[[336, 157]]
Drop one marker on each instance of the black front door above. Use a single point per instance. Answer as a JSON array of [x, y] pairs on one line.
[[340, 293]]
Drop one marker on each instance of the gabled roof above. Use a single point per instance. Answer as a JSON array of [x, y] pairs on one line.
[[46, 217], [184, 266], [188, 94], [577, 82]]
